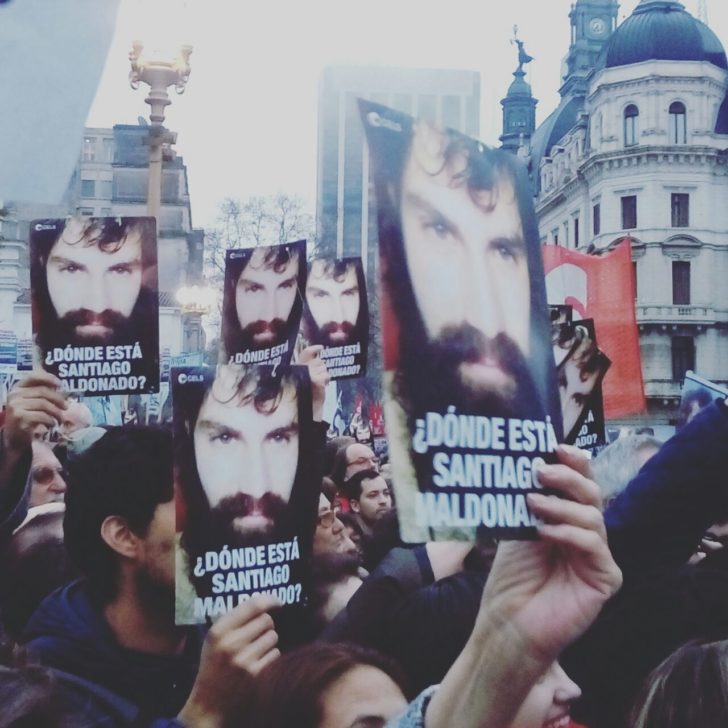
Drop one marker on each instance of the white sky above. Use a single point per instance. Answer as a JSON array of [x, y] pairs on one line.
[[247, 121]]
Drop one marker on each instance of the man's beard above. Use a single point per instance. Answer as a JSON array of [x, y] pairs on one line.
[[439, 377], [66, 328], [335, 334], [155, 593], [276, 333], [218, 526]]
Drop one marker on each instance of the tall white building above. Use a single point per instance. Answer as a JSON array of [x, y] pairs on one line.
[[638, 147]]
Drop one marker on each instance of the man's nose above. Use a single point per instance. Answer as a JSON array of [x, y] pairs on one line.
[[336, 311], [58, 484], [483, 309], [96, 298], [256, 474], [338, 526]]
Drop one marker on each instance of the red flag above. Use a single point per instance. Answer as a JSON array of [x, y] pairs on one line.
[[603, 288]]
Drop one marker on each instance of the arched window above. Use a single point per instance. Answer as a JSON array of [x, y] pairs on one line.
[[678, 123], [630, 125]]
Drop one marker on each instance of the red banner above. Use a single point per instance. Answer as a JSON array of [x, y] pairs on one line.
[[603, 288]]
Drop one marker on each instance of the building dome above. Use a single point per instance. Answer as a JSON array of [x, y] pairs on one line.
[[663, 30]]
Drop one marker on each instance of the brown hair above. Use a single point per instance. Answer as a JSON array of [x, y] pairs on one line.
[[689, 688], [288, 692]]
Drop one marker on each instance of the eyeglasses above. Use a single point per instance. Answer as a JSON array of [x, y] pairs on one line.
[[326, 520], [364, 461], [45, 475]]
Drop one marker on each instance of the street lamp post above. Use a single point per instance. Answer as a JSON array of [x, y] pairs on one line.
[[159, 75]]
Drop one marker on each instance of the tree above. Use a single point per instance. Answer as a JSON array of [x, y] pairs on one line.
[[255, 221]]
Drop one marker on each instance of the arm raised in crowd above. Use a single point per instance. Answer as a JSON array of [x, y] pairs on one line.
[[35, 400], [540, 596], [659, 518], [238, 646]]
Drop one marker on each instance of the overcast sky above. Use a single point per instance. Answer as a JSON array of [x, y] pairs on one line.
[[247, 122]]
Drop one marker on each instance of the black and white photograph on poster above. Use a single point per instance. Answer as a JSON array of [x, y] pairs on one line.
[[336, 315], [560, 314], [262, 303], [95, 303], [247, 502], [471, 402], [580, 372]]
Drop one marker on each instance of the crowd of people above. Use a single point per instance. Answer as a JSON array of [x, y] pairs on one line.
[[613, 617]]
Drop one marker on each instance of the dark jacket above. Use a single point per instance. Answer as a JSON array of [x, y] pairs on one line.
[[109, 684]]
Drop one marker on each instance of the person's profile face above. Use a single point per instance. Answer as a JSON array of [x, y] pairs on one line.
[[93, 290], [575, 385], [548, 703], [334, 302], [467, 259], [264, 297], [47, 476], [247, 458]]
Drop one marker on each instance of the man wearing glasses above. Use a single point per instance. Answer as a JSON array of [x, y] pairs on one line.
[[48, 477]]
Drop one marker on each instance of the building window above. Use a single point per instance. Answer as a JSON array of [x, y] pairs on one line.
[[555, 235], [629, 212], [596, 219], [88, 188], [680, 208], [576, 232], [89, 149], [630, 125], [680, 283], [683, 356], [86, 211], [634, 278], [678, 123], [104, 188]]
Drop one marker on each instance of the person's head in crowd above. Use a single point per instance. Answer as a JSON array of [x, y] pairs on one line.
[[351, 459], [327, 685], [90, 280], [548, 703], [620, 461], [47, 476], [119, 523], [578, 375], [353, 530], [336, 312], [368, 495], [31, 697], [689, 688], [331, 491], [330, 536], [33, 563], [239, 457], [261, 296], [42, 433], [331, 449], [462, 265], [690, 405], [334, 579], [76, 416]]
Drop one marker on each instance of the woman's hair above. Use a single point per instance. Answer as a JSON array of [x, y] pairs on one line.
[[689, 688], [288, 692]]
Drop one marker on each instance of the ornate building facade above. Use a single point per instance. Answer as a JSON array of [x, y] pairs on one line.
[[638, 148]]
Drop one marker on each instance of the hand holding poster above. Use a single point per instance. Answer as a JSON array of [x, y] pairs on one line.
[[95, 302], [336, 315], [247, 497], [471, 398], [262, 302]]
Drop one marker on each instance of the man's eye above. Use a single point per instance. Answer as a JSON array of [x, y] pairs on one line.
[[288, 284], [120, 269], [440, 228], [252, 287], [351, 292], [319, 294], [281, 436], [70, 268], [224, 437]]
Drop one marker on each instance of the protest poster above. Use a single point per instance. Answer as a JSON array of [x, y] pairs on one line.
[[336, 315], [580, 369], [95, 303], [602, 288], [262, 303], [471, 402], [247, 502], [25, 355], [8, 352], [697, 392]]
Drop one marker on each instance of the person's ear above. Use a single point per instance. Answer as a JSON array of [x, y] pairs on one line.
[[119, 537], [354, 505]]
